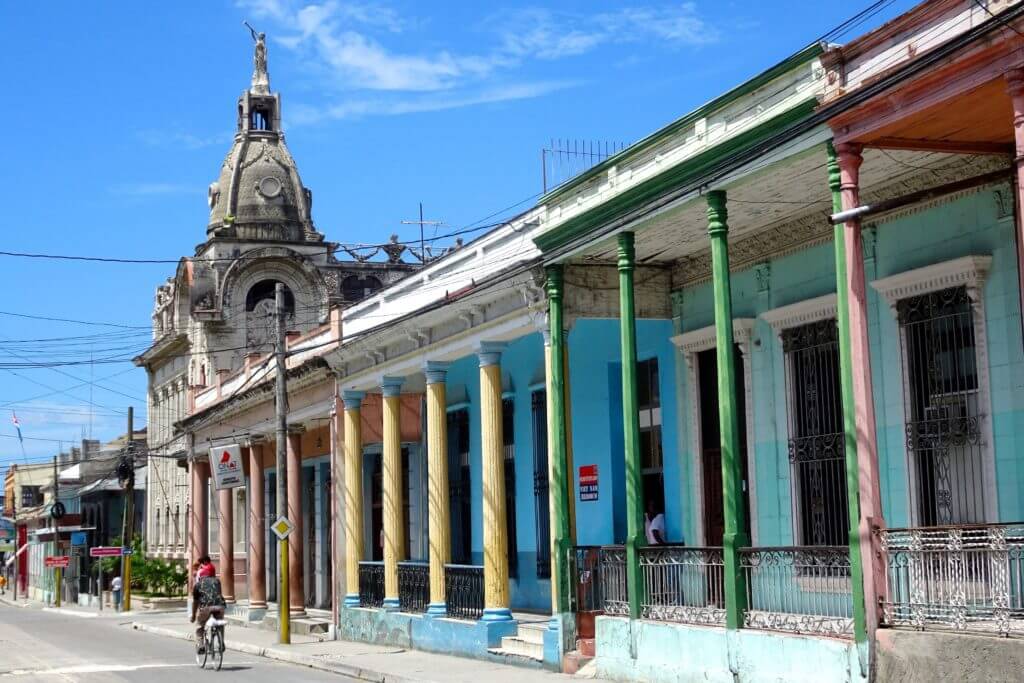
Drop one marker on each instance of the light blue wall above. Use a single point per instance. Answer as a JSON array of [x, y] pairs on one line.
[[595, 379], [969, 225]]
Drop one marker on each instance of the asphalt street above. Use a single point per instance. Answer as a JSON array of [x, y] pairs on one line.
[[37, 645]]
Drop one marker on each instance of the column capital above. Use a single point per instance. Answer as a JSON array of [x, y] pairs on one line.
[[353, 399], [391, 386], [1014, 82], [489, 353], [296, 429], [834, 183], [718, 213], [435, 371], [554, 280], [849, 156], [254, 440], [626, 251]]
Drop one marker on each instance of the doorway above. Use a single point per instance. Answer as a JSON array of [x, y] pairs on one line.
[[710, 443]]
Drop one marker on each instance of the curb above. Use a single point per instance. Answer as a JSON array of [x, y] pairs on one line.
[[349, 670], [12, 603]]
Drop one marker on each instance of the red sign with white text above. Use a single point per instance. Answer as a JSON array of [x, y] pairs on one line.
[[61, 561], [588, 482], [106, 551]]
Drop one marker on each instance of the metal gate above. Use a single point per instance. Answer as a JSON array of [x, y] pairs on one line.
[[943, 429]]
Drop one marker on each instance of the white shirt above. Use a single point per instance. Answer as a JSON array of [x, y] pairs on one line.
[[652, 525], [115, 585]]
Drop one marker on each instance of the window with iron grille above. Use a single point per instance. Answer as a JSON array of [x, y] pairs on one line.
[[509, 436], [651, 456], [539, 406], [31, 496], [816, 448], [458, 486], [943, 433]]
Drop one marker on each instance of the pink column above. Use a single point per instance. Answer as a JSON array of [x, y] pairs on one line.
[[257, 534], [296, 591], [1015, 87], [198, 515], [850, 159], [226, 537]]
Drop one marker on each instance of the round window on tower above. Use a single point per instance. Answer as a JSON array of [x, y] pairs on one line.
[[269, 187]]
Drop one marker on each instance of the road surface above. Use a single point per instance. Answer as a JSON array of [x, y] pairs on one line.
[[55, 647]]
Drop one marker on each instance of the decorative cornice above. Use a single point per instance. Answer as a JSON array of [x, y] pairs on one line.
[[801, 313], [969, 271], [705, 338]]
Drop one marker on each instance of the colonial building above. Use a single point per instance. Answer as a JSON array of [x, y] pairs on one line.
[[217, 309]]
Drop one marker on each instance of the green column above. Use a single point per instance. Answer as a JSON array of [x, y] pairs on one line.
[[631, 425], [735, 536], [558, 485], [849, 419]]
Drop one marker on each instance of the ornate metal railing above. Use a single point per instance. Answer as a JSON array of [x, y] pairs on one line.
[[464, 591], [964, 578], [799, 589], [371, 584], [413, 586], [612, 571], [683, 584]]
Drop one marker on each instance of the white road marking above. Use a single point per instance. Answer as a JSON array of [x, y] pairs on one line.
[[91, 669], [73, 613]]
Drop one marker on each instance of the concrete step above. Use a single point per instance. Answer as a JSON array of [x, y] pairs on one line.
[[533, 632], [305, 626], [514, 645]]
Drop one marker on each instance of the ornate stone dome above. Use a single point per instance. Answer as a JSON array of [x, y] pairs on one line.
[[258, 194]]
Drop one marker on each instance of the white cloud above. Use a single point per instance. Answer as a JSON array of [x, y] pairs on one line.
[[385, 106], [150, 189], [163, 138]]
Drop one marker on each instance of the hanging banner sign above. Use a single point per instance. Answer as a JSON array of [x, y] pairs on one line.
[[61, 561], [226, 465], [588, 482]]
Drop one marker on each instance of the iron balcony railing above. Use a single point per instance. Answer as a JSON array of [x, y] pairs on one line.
[[799, 589], [464, 591], [964, 578], [413, 586], [612, 568], [683, 584], [371, 584]]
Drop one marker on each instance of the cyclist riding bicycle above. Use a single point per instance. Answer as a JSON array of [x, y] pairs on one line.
[[207, 600]]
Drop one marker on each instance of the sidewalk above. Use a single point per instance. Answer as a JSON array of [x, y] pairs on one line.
[[358, 660]]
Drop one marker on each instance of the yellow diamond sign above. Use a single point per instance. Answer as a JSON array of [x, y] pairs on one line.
[[282, 527]]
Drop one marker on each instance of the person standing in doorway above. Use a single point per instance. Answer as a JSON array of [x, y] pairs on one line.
[[115, 587], [654, 524]]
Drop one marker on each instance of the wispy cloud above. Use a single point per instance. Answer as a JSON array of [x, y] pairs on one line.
[[353, 42], [164, 138], [144, 189]]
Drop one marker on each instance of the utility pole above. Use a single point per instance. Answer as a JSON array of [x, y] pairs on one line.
[[281, 408], [421, 223], [56, 534], [127, 470]]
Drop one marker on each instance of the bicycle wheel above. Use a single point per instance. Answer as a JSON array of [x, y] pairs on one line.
[[216, 648], [201, 656]]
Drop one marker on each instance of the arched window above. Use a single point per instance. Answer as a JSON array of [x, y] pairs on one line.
[[355, 288], [260, 320]]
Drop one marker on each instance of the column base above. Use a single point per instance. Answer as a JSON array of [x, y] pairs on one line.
[[297, 613], [437, 610], [352, 600], [257, 604], [391, 604], [493, 614]]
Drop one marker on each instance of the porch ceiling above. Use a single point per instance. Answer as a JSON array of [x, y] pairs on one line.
[[786, 193], [980, 121]]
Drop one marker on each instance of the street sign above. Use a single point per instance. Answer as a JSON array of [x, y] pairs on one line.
[[226, 464], [106, 551], [61, 561], [127, 551], [282, 527], [78, 538]]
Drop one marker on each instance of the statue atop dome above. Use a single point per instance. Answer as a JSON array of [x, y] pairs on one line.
[[260, 76]]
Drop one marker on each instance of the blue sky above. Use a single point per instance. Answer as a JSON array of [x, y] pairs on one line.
[[118, 115]]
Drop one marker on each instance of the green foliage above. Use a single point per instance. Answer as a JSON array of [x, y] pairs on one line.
[[149, 574]]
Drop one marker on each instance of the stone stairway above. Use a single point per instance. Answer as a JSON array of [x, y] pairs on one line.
[[526, 645]]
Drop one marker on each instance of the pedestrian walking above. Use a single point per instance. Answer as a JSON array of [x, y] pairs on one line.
[[115, 587], [3, 585]]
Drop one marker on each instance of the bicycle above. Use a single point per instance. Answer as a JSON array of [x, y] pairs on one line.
[[212, 645]]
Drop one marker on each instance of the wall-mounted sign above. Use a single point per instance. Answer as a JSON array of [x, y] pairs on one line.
[[226, 465], [61, 561], [588, 482], [78, 538]]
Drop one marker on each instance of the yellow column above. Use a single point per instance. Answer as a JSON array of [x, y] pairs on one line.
[[437, 486], [496, 600], [394, 527], [353, 494]]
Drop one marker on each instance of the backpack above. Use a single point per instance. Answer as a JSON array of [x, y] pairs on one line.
[[208, 593]]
